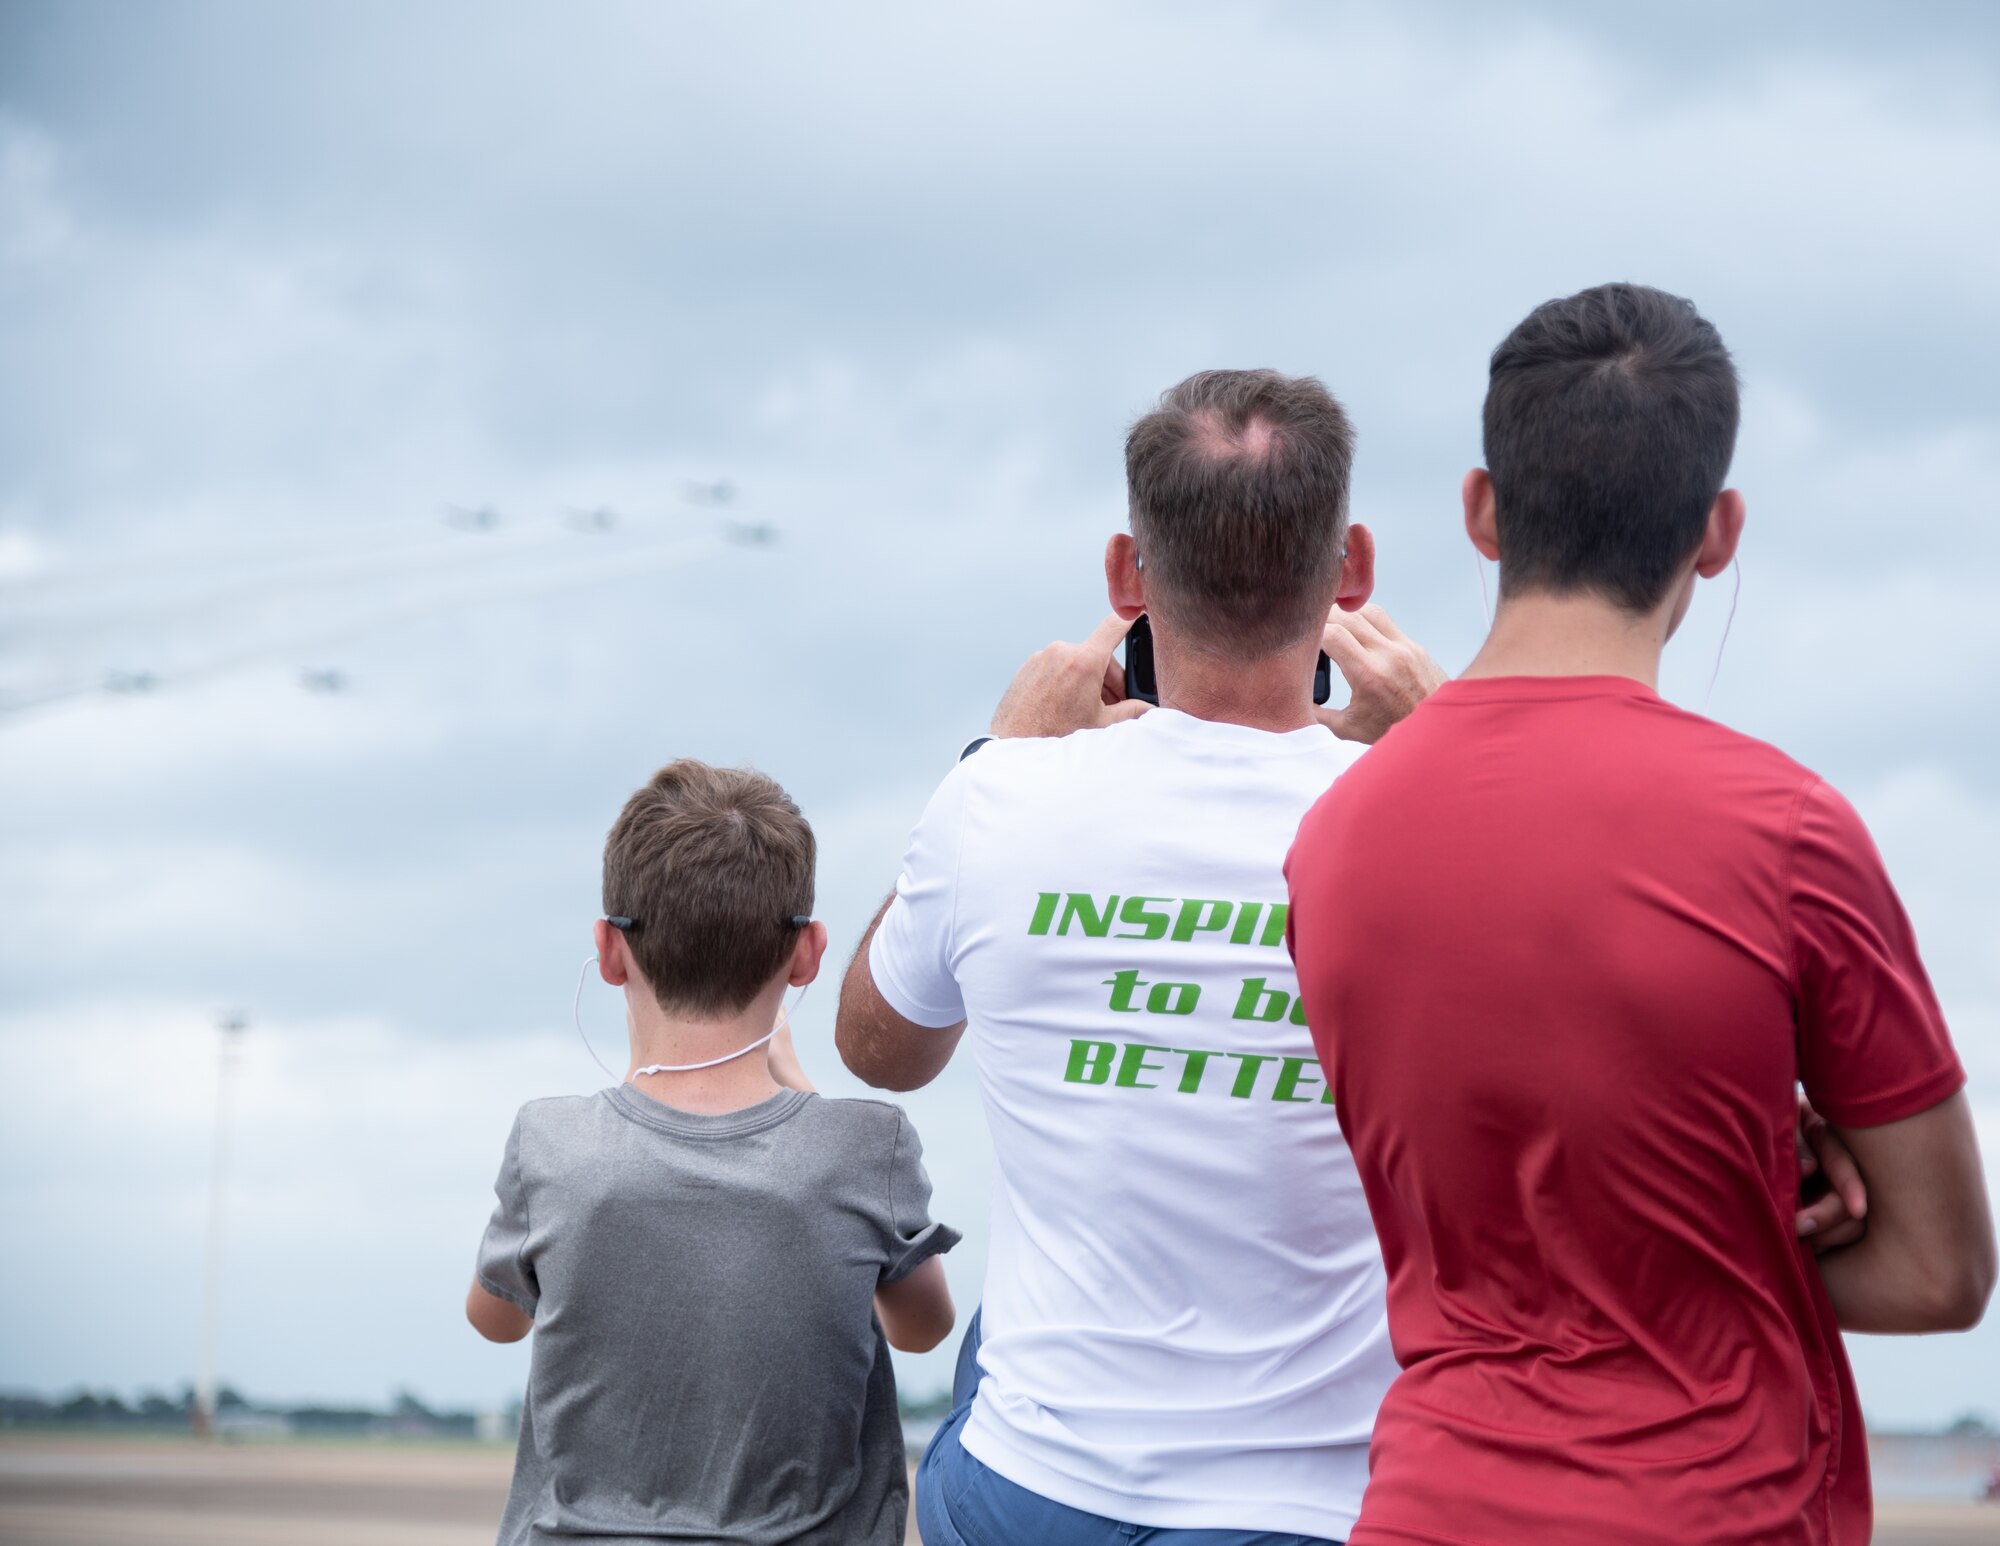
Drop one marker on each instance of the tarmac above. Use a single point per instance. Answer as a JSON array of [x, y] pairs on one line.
[[112, 1491]]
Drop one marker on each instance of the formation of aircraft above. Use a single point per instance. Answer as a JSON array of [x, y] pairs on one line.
[[405, 561]]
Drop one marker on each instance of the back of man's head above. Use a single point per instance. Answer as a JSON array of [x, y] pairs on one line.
[[712, 865], [1238, 484], [1610, 421]]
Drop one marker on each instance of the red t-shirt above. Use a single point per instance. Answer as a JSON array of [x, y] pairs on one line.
[[1564, 951]]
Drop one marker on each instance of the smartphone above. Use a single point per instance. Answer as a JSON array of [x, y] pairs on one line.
[[1142, 683]]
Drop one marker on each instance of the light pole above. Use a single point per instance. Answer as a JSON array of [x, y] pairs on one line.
[[231, 1027]]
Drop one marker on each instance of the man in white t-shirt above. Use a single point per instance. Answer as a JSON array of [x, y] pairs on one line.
[[1183, 1326]]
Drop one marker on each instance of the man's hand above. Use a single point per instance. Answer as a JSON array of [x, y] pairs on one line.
[[1387, 674], [1069, 687], [1841, 1216]]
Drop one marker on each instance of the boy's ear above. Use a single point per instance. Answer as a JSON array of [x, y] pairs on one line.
[[613, 964], [807, 954]]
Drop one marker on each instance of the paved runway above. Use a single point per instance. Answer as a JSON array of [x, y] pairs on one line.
[[90, 1491]]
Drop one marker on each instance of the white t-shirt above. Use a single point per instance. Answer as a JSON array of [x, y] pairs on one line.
[[1184, 1321]]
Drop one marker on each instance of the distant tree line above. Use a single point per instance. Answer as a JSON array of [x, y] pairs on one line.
[[406, 1417]]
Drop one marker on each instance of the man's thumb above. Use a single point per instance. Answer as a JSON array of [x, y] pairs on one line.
[[1341, 722], [1131, 708]]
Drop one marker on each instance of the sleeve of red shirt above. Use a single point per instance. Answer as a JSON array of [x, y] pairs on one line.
[[1873, 1047]]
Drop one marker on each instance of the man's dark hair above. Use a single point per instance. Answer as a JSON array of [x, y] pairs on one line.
[[1238, 487], [711, 865], [1610, 421]]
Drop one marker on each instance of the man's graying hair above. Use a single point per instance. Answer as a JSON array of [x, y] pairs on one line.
[[1238, 486]]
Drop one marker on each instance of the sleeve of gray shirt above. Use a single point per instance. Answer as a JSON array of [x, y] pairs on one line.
[[503, 1265], [913, 1236]]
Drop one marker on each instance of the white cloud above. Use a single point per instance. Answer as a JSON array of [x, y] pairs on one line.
[[35, 227], [1941, 841], [902, 276]]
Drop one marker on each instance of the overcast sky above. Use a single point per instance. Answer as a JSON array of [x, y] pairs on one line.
[[278, 285]]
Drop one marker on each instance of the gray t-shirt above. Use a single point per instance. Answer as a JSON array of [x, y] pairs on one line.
[[707, 1365]]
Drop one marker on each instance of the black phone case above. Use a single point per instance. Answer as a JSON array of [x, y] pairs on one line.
[[1140, 683]]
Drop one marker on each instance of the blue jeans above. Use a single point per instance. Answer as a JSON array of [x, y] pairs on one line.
[[961, 1502]]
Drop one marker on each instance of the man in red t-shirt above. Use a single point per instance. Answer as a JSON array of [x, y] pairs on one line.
[[1568, 953]]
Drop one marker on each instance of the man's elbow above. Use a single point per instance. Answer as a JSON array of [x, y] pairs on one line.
[[1971, 1293], [1956, 1292], [885, 1077], [863, 1057], [854, 1056]]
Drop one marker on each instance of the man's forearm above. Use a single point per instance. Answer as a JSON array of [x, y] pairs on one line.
[[1927, 1261], [1877, 1288]]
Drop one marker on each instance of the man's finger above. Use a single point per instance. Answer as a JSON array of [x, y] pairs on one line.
[[1827, 1225], [1354, 624], [1383, 623], [1808, 1120], [1338, 721], [1821, 1216], [1114, 681], [1841, 1234], [1843, 1175], [1347, 653], [1131, 708], [1105, 636]]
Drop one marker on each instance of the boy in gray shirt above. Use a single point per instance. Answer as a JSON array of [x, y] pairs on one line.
[[699, 1249]]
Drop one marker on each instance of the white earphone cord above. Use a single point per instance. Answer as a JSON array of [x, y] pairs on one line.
[[1735, 595], [576, 1013]]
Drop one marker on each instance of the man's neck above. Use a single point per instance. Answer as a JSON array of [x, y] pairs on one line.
[[1576, 634], [1274, 693], [661, 1037]]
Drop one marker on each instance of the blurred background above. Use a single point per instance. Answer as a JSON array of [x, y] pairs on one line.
[[418, 423]]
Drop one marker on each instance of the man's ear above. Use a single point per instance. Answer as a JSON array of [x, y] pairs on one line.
[[1725, 531], [1357, 571], [1482, 525], [1124, 580], [614, 965], [807, 954]]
